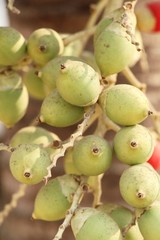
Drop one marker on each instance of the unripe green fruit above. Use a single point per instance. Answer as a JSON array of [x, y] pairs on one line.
[[113, 49], [71, 49], [136, 186], [29, 162], [33, 135], [89, 223], [69, 165], [121, 215], [12, 46], [92, 155], [44, 44], [120, 102], [34, 84], [134, 233], [149, 222], [55, 198], [133, 144], [14, 99], [55, 111], [88, 57], [124, 14], [50, 71], [78, 83]]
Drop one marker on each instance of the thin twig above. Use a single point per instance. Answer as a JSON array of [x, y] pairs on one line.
[[12, 8], [76, 200], [13, 204]]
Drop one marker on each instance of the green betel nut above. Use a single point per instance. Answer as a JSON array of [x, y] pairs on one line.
[[14, 98], [149, 222], [125, 104], [55, 198], [78, 83], [43, 45], [136, 186], [12, 46], [89, 223], [55, 111], [133, 144], [29, 162], [92, 155]]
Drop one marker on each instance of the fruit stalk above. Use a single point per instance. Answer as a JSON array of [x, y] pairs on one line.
[[13, 204], [12, 8], [76, 200]]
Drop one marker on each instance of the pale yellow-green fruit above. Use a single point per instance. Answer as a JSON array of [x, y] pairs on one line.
[[35, 135], [55, 198], [88, 57], [122, 215], [133, 233], [50, 72], [12, 46], [89, 223], [28, 163], [43, 45], [69, 165], [114, 49], [125, 15], [71, 49], [136, 186], [34, 84], [92, 155], [149, 222], [133, 144], [120, 102], [55, 111], [78, 83], [14, 99]]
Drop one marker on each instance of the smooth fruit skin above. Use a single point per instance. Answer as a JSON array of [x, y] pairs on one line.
[[33, 135], [154, 160], [149, 222], [120, 214], [34, 84], [12, 46], [14, 99], [133, 144], [50, 71], [28, 163], [134, 233], [92, 155], [55, 198], [55, 111], [93, 224], [78, 83], [120, 102], [43, 45], [69, 165], [136, 186], [113, 50]]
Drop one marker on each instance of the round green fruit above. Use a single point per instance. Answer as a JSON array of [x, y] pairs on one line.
[[113, 49], [14, 98], [12, 46], [92, 155], [50, 71], [78, 83], [89, 223], [55, 198], [55, 111], [28, 163], [149, 222], [34, 135], [69, 165], [120, 102], [136, 186], [133, 233], [34, 84], [122, 216], [43, 45], [133, 144]]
